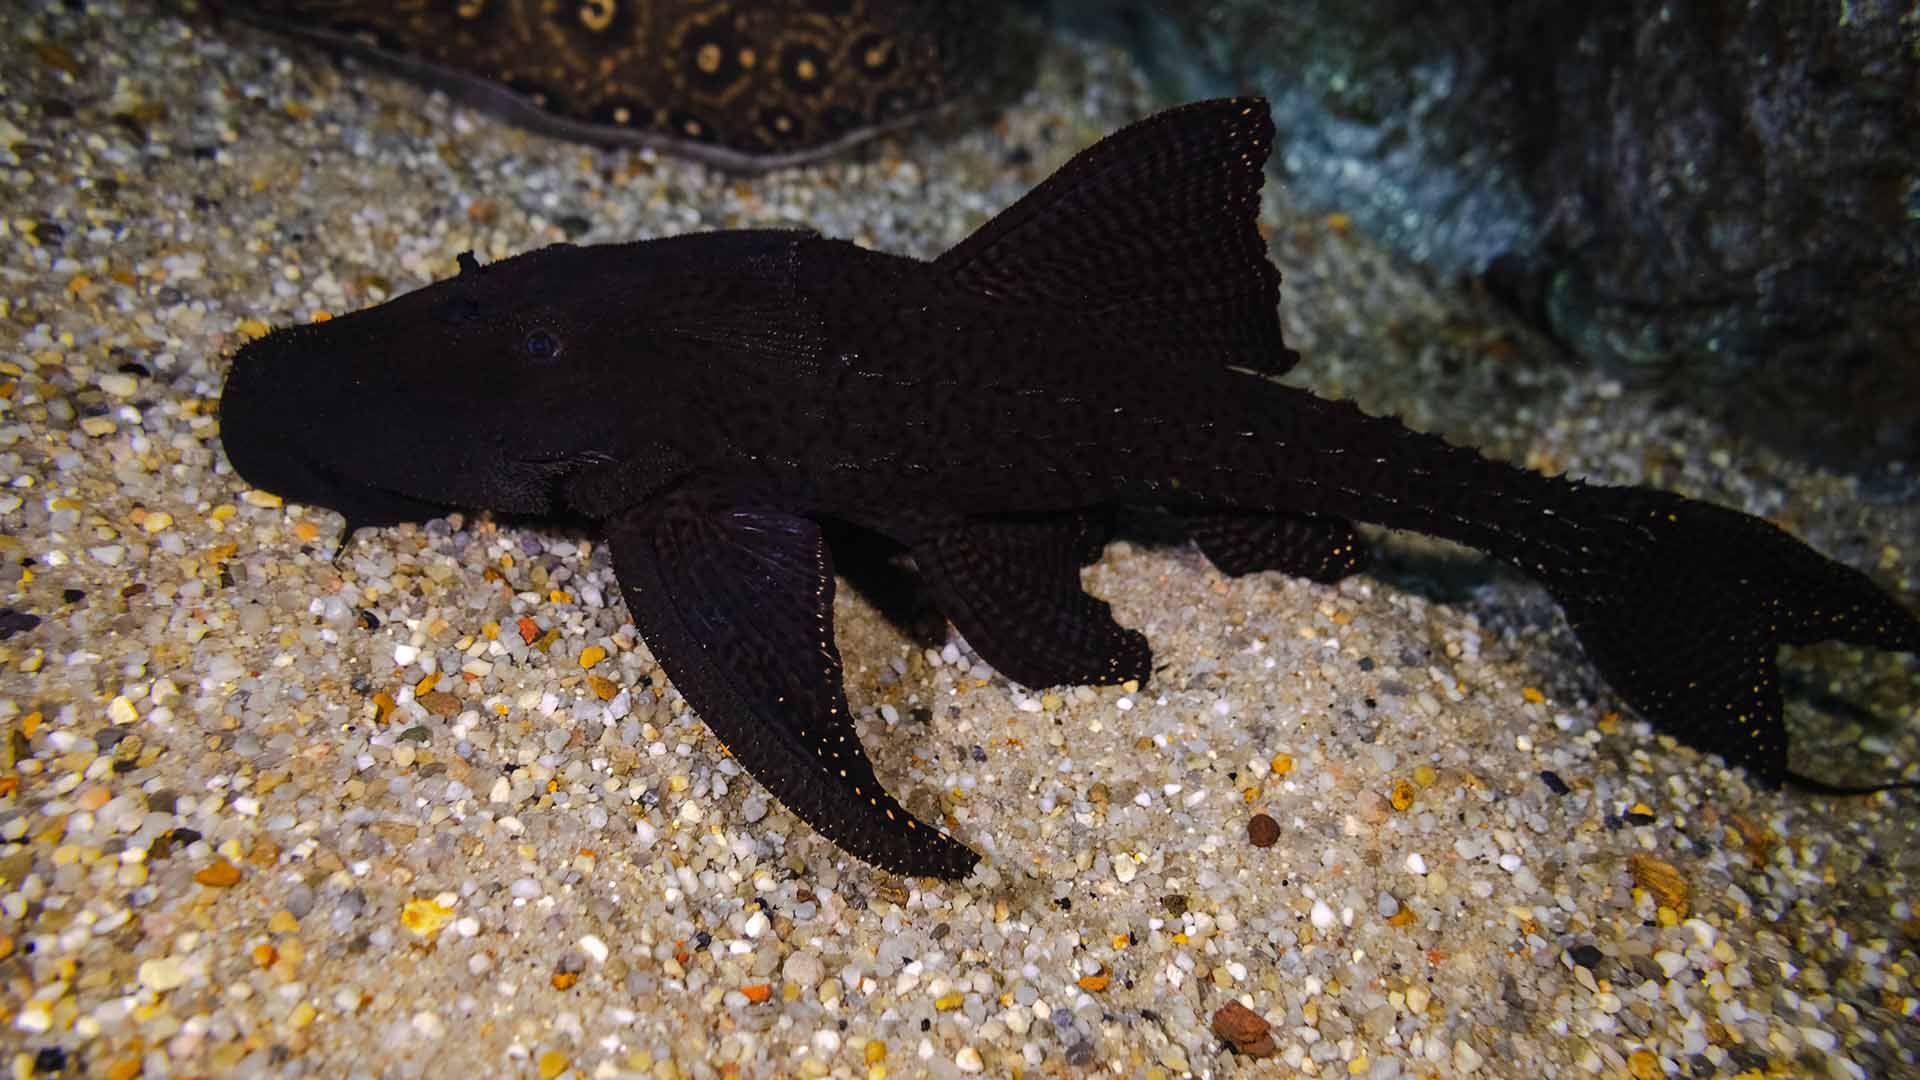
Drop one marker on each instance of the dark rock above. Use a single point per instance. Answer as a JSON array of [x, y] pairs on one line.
[[1726, 191], [110, 736], [1587, 956], [16, 622], [171, 841], [1737, 184]]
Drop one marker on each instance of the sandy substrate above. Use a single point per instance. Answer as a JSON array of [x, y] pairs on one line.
[[263, 813]]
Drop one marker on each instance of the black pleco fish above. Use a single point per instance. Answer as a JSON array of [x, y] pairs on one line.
[[714, 400]]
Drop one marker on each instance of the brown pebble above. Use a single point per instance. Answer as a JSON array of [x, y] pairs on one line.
[[1661, 878], [1243, 1028], [219, 875], [60, 59], [1403, 796], [1262, 830], [1756, 837], [440, 703]]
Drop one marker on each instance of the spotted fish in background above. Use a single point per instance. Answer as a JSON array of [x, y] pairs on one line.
[[740, 85]]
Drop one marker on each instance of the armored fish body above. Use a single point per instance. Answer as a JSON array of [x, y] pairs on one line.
[[715, 401]]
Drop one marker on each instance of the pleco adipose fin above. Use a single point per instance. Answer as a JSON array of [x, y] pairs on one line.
[[1012, 587], [1317, 548]]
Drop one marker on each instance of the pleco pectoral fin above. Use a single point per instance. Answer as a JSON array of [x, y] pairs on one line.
[[1012, 587], [1312, 546], [737, 605]]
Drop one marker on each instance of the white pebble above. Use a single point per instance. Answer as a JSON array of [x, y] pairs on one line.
[[756, 924], [1416, 863], [120, 710], [804, 968], [163, 974], [595, 948], [1323, 916], [404, 655], [968, 1059]]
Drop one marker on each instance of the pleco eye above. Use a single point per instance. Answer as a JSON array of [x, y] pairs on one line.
[[542, 345]]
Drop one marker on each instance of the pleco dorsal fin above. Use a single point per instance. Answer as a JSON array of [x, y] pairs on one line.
[[1154, 229]]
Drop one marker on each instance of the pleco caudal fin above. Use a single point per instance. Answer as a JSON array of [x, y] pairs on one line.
[[1685, 614], [1154, 231]]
